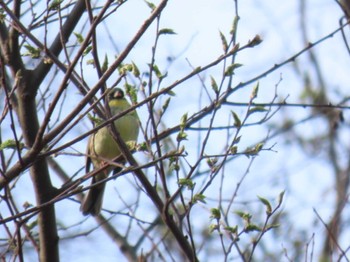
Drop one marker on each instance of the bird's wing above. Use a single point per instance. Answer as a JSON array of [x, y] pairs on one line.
[[88, 154]]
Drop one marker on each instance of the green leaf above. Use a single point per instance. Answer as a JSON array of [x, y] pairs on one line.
[[280, 197], [232, 230], [237, 122], [267, 204], [171, 93], [258, 147], [252, 227], [55, 4], [235, 48], [231, 68], [214, 85], [156, 70], [254, 93], [105, 64], [135, 70], [215, 213], [256, 109], [223, 42], [87, 51], [213, 227], [197, 69], [272, 226], [166, 104], [237, 140], [150, 5], [96, 120], [253, 151], [90, 62], [234, 25], [80, 38], [245, 216], [142, 147], [10, 144], [183, 121], [199, 198], [233, 150], [32, 52], [212, 161], [186, 182], [181, 136], [125, 68], [255, 41], [174, 166], [166, 31], [131, 90]]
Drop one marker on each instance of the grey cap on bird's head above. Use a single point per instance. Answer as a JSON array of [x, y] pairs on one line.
[[115, 93]]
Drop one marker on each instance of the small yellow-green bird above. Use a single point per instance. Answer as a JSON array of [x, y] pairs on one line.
[[103, 148]]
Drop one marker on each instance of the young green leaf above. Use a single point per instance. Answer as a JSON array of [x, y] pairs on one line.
[[150, 5], [280, 197], [181, 136], [232, 230], [256, 109], [272, 226], [215, 213], [212, 161], [255, 91], [171, 93], [166, 31], [267, 205], [255, 41], [252, 227], [55, 4], [105, 64], [96, 120], [214, 85], [79, 37], [183, 121], [223, 42], [231, 68], [234, 49], [199, 198], [87, 51], [135, 70], [186, 182], [10, 144], [233, 150], [166, 104], [234, 25], [32, 52], [237, 140], [245, 216], [213, 227], [237, 122], [258, 147], [131, 90]]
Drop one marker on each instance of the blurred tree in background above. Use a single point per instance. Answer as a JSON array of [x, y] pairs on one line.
[[244, 147]]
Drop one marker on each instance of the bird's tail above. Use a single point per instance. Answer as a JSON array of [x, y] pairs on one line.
[[92, 202]]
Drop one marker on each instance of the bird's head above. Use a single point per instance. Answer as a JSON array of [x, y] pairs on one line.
[[115, 93]]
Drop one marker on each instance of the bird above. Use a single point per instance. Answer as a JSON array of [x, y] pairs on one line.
[[103, 148]]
